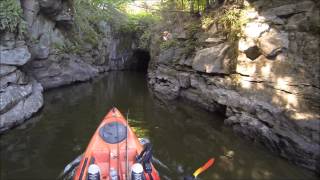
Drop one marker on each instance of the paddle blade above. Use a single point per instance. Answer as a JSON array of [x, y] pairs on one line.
[[204, 167]]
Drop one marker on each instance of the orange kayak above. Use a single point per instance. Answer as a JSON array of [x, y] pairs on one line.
[[115, 153]]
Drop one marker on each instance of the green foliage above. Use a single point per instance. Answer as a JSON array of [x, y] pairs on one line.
[[115, 3], [228, 15], [140, 26], [206, 21], [86, 17], [232, 21], [167, 44], [186, 5], [144, 40], [67, 48], [88, 14], [192, 29], [189, 47], [138, 23], [10, 16]]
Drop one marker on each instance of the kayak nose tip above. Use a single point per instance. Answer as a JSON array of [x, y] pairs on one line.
[[115, 110]]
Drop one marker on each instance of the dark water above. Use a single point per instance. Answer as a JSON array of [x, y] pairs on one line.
[[183, 136]]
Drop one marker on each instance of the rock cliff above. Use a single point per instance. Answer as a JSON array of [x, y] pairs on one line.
[[21, 95], [45, 53], [266, 82]]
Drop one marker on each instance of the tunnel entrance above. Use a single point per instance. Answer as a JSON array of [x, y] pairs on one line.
[[141, 60]]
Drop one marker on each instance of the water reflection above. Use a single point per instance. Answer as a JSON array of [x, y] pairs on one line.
[[183, 136]]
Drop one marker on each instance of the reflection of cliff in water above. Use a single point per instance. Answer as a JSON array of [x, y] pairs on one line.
[[183, 136], [102, 92]]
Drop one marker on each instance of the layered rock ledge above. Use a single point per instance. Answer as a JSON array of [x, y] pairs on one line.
[[267, 83], [20, 95], [44, 57]]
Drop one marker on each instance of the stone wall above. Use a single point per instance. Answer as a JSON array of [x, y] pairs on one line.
[[50, 24], [39, 60], [20, 94], [267, 84]]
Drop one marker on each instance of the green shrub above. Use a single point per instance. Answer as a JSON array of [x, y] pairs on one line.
[[85, 17], [88, 14], [192, 29], [189, 47], [67, 48], [232, 20], [138, 23], [144, 40], [168, 44], [10, 16], [191, 43], [206, 22]]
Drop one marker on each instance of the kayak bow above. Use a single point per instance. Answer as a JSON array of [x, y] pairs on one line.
[[112, 153]]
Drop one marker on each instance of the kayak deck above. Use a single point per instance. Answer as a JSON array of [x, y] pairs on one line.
[[109, 148]]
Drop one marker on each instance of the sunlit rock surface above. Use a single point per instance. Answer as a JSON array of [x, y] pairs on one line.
[[212, 60], [271, 93]]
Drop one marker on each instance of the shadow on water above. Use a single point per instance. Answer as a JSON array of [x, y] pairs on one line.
[[183, 136]]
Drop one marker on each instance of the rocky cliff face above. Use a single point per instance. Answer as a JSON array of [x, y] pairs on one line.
[[21, 95], [46, 58], [53, 64], [267, 83]]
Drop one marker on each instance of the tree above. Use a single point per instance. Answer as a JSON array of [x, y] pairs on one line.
[[198, 3], [192, 6], [207, 5]]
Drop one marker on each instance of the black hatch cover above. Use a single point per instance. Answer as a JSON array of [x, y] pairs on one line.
[[113, 132]]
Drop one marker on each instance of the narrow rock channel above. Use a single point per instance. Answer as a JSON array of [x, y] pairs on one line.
[[256, 62], [182, 134]]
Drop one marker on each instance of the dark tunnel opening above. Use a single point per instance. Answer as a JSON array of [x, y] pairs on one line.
[[141, 60]]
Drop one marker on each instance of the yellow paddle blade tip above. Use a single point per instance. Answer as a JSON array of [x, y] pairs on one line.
[[197, 172], [204, 167]]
